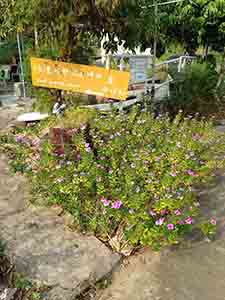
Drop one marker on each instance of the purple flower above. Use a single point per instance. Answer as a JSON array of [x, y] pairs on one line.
[[110, 171], [87, 147], [189, 220], [105, 202], [159, 222], [83, 127], [19, 138], [157, 158], [78, 157], [170, 227], [152, 213], [191, 173], [177, 212], [117, 204], [213, 221]]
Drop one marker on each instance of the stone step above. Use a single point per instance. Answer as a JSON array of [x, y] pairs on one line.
[[8, 99], [49, 254]]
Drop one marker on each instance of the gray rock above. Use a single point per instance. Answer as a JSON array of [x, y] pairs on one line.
[[41, 247]]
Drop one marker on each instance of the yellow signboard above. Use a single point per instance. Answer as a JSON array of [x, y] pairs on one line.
[[84, 79]]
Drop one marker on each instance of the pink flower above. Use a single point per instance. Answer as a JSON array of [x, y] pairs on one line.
[[195, 136], [177, 212], [180, 222], [170, 226], [160, 221], [173, 174], [191, 173], [117, 204], [189, 220], [213, 222], [152, 213], [105, 202], [163, 211]]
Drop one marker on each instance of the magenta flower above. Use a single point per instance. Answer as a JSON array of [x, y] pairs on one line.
[[189, 220], [213, 222], [152, 212], [105, 202], [170, 227], [159, 222], [117, 204], [177, 212]]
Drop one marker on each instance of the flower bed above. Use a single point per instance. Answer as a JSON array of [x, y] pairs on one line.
[[130, 169]]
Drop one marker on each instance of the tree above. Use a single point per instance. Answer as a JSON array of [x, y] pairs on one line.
[[204, 19], [64, 22]]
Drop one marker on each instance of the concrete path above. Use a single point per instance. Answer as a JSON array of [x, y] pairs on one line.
[[40, 246]]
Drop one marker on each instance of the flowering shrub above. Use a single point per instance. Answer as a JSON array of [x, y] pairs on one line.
[[134, 170]]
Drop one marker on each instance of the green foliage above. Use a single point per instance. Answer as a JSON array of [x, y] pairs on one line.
[[21, 283], [194, 90], [129, 170], [2, 248], [44, 102], [7, 51], [200, 22]]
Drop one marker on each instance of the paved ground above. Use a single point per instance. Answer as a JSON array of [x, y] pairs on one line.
[[38, 243]]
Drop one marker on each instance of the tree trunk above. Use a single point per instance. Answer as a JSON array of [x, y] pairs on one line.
[[206, 51], [222, 71], [35, 36]]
